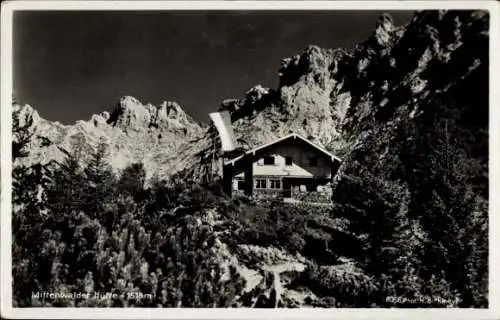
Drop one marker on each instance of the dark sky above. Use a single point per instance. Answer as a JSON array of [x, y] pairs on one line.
[[69, 65]]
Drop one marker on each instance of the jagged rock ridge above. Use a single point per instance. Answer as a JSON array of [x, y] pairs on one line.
[[134, 133], [339, 98], [329, 95], [325, 94]]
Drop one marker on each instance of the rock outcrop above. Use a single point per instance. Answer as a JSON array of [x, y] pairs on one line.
[[133, 132], [331, 96], [343, 100]]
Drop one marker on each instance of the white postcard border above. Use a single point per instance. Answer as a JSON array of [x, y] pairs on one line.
[[8, 7]]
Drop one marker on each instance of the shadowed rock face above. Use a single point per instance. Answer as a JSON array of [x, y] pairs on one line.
[[334, 96], [351, 102]]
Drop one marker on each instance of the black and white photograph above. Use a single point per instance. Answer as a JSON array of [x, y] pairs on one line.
[[255, 158]]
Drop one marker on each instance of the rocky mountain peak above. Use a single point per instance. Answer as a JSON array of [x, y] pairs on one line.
[[314, 60], [385, 22], [172, 110], [136, 132], [230, 104], [130, 113], [129, 101], [384, 30], [255, 93], [26, 114], [329, 94]]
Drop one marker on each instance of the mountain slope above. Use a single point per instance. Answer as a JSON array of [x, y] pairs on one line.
[[326, 93], [335, 97], [133, 132], [406, 109]]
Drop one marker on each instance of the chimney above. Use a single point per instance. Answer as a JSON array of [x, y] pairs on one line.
[[222, 122]]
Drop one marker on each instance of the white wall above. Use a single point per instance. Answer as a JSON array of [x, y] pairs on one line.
[[300, 167]]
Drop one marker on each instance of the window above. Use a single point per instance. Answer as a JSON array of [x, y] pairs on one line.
[[241, 185], [288, 161], [269, 160], [311, 187], [275, 184], [313, 161], [260, 184]]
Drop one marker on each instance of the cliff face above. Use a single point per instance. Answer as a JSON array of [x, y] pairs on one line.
[[133, 132], [337, 97], [333, 96], [440, 55], [407, 111], [408, 106]]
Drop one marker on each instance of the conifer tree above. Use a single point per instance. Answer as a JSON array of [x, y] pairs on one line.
[[132, 181], [99, 179], [21, 134]]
